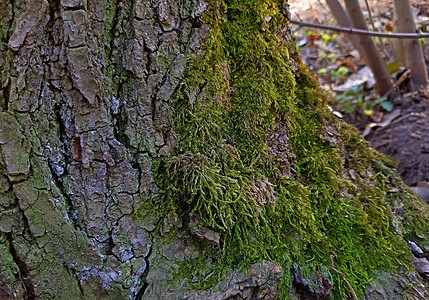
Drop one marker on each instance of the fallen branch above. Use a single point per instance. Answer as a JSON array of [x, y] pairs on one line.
[[343, 277], [351, 30], [398, 83]]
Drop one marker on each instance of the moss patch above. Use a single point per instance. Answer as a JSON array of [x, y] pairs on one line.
[[248, 79]]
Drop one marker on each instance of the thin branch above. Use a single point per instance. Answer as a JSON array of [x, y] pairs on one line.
[[374, 28], [362, 32], [398, 83], [343, 277], [370, 15]]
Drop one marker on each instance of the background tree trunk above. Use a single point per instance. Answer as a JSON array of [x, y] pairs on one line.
[[398, 47], [374, 59], [414, 51], [100, 135], [343, 20]]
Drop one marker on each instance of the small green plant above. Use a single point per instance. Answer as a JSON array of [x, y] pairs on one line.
[[384, 103], [322, 71], [355, 101], [340, 73], [328, 37], [332, 57]]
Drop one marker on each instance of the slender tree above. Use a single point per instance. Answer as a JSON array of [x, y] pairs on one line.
[[343, 20], [375, 61], [413, 48], [398, 47]]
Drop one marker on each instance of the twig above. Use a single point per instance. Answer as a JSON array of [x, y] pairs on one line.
[[374, 28], [398, 83], [343, 277], [351, 30], [413, 114], [310, 259]]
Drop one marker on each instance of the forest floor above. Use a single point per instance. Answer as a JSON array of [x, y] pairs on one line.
[[397, 125]]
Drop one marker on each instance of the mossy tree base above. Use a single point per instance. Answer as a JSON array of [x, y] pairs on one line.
[[262, 162]]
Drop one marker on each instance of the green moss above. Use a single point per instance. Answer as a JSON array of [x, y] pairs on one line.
[[232, 97], [2, 36], [8, 269]]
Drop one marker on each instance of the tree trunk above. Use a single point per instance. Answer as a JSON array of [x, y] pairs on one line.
[[414, 51], [398, 46], [181, 150], [343, 20], [375, 61]]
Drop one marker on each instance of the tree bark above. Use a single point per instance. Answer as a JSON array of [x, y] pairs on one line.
[[414, 51], [151, 148], [398, 47], [343, 20]]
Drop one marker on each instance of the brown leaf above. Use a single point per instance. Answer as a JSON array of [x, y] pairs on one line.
[[312, 38], [388, 26], [349, 64]]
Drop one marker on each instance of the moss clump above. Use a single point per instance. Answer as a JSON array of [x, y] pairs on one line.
[[232, 97]]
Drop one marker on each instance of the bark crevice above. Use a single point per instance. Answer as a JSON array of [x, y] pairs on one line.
[[75, 275], [113, 28], [23, 270], [145, 285], [9, 30], [70, 209], [6, 95]]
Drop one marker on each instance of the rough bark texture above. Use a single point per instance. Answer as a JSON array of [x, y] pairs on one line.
[[85, 113], [84, 110]]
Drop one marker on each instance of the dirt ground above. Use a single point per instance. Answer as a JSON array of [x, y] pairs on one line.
[[406, 138], [397, 126]]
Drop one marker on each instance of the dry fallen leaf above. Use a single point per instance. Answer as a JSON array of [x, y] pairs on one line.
[[363, 76]]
